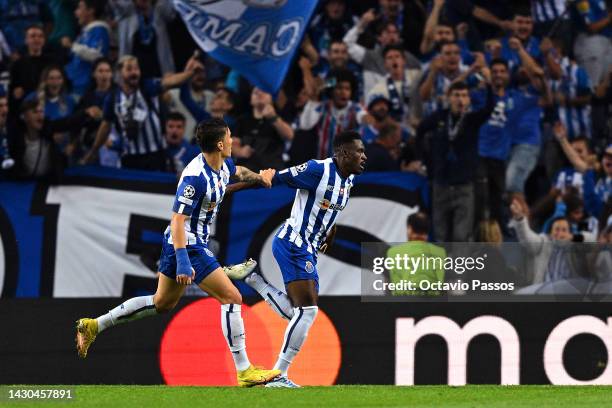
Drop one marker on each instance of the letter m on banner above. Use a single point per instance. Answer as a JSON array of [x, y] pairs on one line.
[[408, 333], [257, 38]]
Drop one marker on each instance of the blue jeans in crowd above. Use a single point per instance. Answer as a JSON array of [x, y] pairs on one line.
[[523, 160]]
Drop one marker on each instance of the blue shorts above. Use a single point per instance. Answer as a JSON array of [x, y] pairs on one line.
[[295, 263], [202, 260]]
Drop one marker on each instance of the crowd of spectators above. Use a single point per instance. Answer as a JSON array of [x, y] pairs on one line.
[[504, 106]]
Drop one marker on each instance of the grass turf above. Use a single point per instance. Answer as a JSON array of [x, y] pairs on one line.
[[337, 396]]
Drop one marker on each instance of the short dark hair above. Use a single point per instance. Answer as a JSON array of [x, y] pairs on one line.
[[499, 61], [387, 130], [559, 42], [523, 11], [382, 25], [175, 116], [29, 104], [458, 86], [36, 26], [446, 23], [582, 138], [393, 47], [231, 95], [335, 40], [97, 6], [345, 137], [209, 133], [418, 222], [102, 60], [573, 200], [445, 43], [343, 75]]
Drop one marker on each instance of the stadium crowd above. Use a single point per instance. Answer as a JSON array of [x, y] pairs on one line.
[[505, 106]]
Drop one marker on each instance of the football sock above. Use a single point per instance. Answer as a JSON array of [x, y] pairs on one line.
[[233, 331], [278, 301], [132, 309], [295, 335]]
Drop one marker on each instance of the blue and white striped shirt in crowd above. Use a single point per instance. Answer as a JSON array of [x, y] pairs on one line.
[[143, 107], [199, 194], [329, 121], [569, 177], [574, 83], [603, 188], [321, 194], [558, 264], [548, 10]]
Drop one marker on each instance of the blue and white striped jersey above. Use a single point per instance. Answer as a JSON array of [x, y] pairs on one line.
[[548, 10], [141, 107], [575, 82], [199, 194], [569, 177], [321, 194]]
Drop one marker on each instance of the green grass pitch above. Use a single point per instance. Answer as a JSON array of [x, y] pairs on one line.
[[337, 396]]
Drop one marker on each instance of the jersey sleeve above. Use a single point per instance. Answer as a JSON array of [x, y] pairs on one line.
[[231, 166], [93, 46], [188, 193], [108, 110], [152, 87], [305, 176], [583, 86]]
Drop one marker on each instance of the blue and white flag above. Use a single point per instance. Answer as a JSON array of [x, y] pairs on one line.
[[255, 37]]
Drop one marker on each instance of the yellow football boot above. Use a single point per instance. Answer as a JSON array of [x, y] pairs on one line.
[[86, 332], [256, 376]]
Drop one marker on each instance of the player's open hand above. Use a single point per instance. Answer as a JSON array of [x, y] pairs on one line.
[[517, 209], [559, 131], [515, 44], [367, 18], [193, 65], [266, 177], [186, 279]]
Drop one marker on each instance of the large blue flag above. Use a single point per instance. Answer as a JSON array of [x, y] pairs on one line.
[[255, 37]]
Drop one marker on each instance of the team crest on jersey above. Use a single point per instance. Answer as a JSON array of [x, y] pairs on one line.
[[302, 167], [309, 267], [189, 191], [209, 252], [341, 191], [211, 206], [330, 187]]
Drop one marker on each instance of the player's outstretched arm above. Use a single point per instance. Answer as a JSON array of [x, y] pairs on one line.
[[264, 178], [184, 272]]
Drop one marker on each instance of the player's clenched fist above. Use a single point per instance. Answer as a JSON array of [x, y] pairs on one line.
[[184, 272], [266, 177]]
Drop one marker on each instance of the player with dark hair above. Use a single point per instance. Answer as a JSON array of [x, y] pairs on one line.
[[323, 188], [185, 257], [417, 246], [418, 226]]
